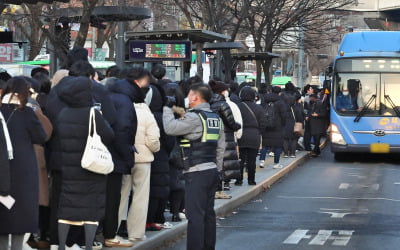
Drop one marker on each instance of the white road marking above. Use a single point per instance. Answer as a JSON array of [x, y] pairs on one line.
[[397, 183], [358, 176], [321, 238], [341, 237], [344, 186], [348, 185], [297, 236], [338, 198], [343, 213]]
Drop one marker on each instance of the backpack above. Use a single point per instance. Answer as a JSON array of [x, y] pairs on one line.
[[270, 114]]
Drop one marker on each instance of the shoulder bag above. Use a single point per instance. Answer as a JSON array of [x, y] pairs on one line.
[[251, 112], [298, 126], [96, 157]]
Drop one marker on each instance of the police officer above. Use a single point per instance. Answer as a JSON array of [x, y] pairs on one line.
[[202, 142]]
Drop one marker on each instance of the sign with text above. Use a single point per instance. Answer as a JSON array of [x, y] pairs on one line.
[[160, 50], [6, 50]]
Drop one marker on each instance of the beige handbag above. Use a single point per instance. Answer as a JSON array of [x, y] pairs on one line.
[[298, 126], [96, 157]]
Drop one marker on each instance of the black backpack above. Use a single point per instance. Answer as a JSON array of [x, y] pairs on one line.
[[269, 108]]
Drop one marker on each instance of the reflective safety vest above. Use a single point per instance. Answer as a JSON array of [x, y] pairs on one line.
[[204, 149]]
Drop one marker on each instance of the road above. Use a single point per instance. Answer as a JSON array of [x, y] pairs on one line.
[[323, 204]]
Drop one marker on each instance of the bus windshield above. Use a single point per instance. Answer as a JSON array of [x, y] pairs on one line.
[[368, 85]]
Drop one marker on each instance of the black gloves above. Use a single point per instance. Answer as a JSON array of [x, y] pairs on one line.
[[170, 101]]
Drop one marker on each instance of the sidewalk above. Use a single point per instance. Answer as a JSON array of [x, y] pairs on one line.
[[265, 177]]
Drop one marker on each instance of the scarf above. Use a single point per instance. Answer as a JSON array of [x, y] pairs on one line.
[[7, 99], [7, 137]]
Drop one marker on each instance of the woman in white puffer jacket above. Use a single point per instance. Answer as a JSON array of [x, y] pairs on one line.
[[147, 142]]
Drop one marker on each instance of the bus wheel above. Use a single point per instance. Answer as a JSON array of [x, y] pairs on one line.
[[340, 156]]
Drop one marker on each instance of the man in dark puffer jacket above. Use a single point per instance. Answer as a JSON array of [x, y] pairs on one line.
[[231, 167]]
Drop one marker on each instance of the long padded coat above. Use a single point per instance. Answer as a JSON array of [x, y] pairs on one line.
[[83, 193]]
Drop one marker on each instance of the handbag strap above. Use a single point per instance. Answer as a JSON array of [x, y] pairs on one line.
[[294, 117], [7, 137], [92, 121], [251, 112]]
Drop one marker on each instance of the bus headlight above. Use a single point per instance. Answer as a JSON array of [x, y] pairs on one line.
[[336, 136]]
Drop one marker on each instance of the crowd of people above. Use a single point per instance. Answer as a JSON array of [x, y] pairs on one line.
[[169, 142]]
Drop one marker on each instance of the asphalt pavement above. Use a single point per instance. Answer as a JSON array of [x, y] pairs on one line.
[[323, 204]]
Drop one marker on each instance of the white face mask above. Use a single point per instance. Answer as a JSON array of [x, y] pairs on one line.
[[186, 102], [345, 93]]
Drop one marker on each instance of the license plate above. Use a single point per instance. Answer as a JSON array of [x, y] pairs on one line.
[[379, 148]]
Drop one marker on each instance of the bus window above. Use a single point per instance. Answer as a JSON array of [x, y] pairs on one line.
[[353, 91], [390, 89]]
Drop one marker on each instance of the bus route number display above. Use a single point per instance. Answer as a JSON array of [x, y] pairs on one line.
[[160, 50]]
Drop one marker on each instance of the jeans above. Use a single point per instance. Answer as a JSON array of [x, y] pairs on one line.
[[277, 154], [263, 153]]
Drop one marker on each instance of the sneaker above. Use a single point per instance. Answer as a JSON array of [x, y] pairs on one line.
[[182, 216], [118, 242], [285, 156], [222, 195], [262, 164], [277, 166], [76, 247], [271, 154], [292, 156]]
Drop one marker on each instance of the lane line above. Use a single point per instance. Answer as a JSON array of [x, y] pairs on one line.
[[336, 198]]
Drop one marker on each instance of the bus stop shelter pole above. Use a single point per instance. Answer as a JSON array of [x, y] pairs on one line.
[[120, 45]]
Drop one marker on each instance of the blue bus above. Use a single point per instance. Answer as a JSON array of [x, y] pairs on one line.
[[366, 94]]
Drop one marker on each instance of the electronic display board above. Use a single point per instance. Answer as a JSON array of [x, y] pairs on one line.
[[140, 50]]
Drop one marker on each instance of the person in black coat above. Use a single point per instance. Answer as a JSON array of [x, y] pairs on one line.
[[254, 122], [231, 167], [159, 177], [25, 130], [290, 138], [123, 95], [273, 137], [83, 193], [4, 163], [53, 108], [176, 177], [317, 117]]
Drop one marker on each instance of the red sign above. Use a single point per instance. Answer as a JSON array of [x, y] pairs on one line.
[[6, 50]]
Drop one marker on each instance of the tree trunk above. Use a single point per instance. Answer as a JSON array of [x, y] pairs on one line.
[[199, 49], [88, 7]]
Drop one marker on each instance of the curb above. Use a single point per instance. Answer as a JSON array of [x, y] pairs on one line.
[[223, 209]]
